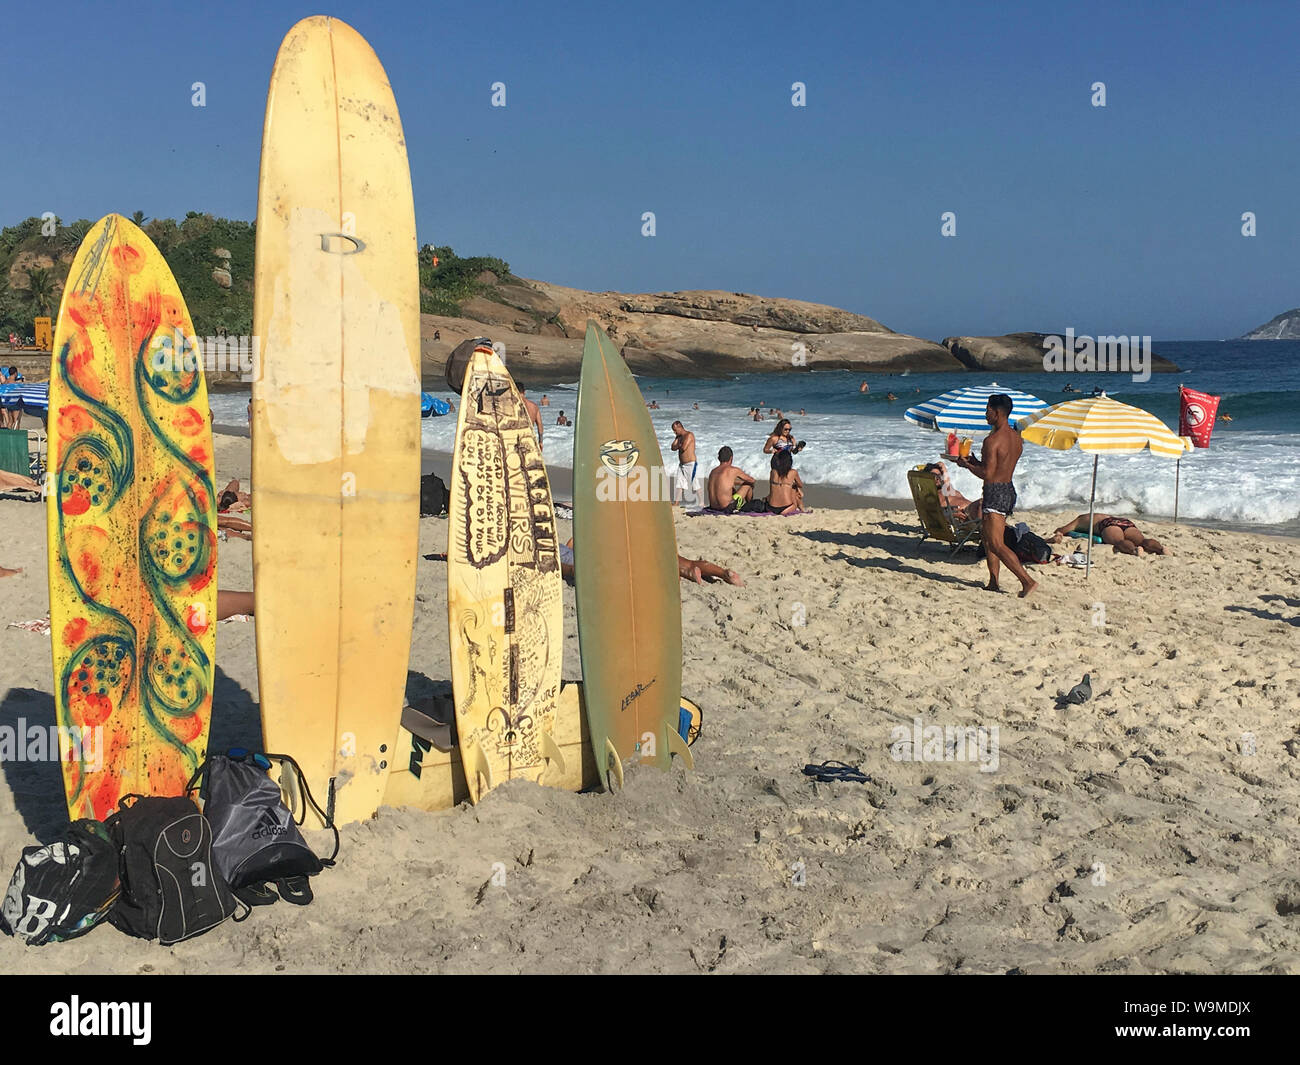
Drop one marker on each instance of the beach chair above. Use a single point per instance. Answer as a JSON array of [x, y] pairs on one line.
[[937, 521], [13, 451]]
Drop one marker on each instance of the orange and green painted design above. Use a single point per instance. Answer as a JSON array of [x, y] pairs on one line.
[[132, 524]]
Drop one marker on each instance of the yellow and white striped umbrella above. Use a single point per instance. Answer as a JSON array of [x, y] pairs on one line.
[[1102, 424]]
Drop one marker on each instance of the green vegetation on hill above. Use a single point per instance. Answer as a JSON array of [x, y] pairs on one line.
[[30, 286], [444, 287]]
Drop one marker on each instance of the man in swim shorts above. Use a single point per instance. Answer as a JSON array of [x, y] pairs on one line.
[[730, 488], [684, 445], [995, 467]]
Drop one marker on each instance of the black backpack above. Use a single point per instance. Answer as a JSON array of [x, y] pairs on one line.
[[458, 362], [256, 840], [171, 887], [64, 889], [1028, 546], [433, 495]]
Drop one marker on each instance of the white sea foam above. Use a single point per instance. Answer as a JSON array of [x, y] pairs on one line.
[[1244, 477]]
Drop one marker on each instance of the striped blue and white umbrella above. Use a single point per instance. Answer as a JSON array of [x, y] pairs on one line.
[[962, 410], [35, 398]]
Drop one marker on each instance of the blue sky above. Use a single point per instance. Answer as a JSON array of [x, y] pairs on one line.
[[1123, 219]]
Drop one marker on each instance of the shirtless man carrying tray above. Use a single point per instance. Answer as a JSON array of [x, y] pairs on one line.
[[995, 468]]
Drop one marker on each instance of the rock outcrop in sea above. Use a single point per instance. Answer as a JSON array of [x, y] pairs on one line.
[[1017, 353], [1286, 326]]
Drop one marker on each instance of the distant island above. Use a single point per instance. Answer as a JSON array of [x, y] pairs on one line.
[[1286, 326], [668, 334]]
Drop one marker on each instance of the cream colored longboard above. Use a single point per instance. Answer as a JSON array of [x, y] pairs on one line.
[[336, 416], [505, 602]]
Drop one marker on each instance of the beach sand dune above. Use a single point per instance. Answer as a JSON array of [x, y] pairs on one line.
[[1151, 829]]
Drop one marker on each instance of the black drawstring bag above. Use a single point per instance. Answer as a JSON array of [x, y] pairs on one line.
[[64, 889], [256, 841]]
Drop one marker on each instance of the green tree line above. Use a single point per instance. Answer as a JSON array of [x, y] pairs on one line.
[[29, 289]]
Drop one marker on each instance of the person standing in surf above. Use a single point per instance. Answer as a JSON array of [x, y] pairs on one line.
[[534, 415], [995, 467], [684, 445]]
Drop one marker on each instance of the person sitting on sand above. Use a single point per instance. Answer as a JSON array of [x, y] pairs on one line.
[[688, 569], [10, 482], [962, 508], [231, 500], [782, 439], [730, 488], [785, 487], [1125, 537]]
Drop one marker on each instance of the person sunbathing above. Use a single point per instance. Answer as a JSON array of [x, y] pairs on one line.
[[688, 569], [233, 604], [963, 509], [9, 572], [234, 526], [13, 481], [1125, 537], [232, 500]]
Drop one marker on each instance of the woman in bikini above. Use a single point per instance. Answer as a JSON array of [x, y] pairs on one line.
[[1125, 537], [782, 439], [785, 487]]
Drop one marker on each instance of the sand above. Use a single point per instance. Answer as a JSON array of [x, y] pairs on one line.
[[1151, 829]]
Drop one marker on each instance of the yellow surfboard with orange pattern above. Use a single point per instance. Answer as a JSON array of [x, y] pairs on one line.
[[131, 526]]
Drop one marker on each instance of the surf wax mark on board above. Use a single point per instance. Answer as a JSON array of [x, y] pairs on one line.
[[299, 387]]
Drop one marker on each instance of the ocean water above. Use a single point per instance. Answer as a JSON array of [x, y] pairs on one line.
[[1250, 474]]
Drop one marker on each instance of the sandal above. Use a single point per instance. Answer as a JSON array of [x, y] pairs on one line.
[[832, 770]]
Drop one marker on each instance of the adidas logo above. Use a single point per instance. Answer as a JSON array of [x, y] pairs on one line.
[[268, 825]]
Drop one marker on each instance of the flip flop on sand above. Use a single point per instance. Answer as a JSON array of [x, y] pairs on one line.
[[832, 770]]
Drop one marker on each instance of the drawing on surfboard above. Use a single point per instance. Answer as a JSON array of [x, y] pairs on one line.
[[131, 527], [504, 589]]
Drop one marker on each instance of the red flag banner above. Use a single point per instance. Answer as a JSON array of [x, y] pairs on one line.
[[1196, 414]]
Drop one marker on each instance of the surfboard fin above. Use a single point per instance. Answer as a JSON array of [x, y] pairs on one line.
[[478, 773], [551, 751], [614, 767], [678, 746]]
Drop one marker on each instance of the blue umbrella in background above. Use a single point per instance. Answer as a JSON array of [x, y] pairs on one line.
[[962, 410], [432, 406], [35, 398]]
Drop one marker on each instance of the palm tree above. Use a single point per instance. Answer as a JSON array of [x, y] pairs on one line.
[[138, 218], [71, 236], [40, 290]]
